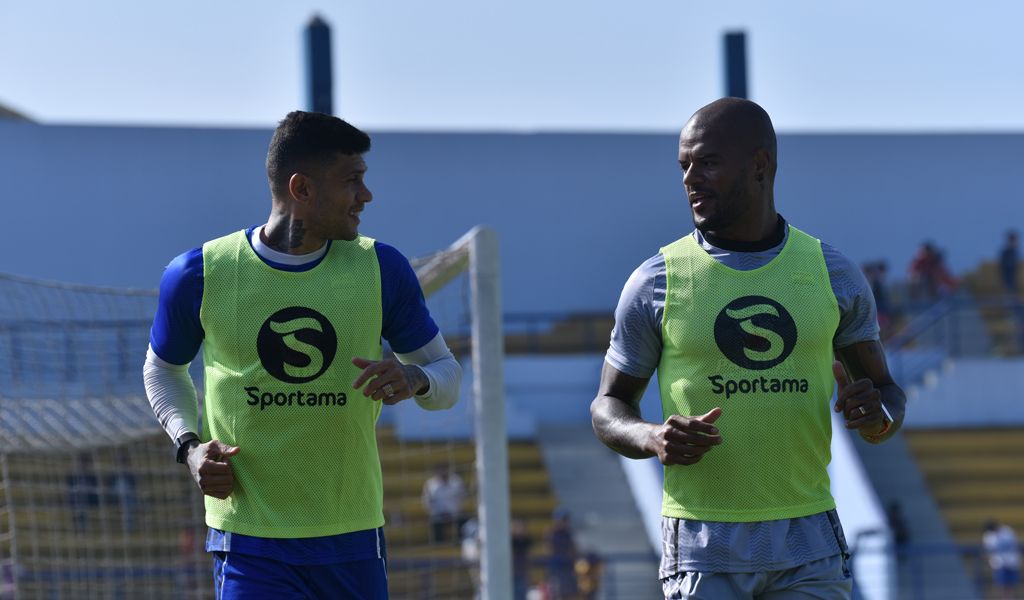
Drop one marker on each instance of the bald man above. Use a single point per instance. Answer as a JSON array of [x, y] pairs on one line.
[[743, 319]]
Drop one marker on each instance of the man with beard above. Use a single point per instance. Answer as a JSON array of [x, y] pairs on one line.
[[742, 319]]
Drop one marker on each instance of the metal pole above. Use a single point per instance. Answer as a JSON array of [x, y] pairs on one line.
[[319, 75], [736, 64], [489, 405]]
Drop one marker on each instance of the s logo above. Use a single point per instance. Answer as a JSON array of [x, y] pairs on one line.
[[755, 332], [296, 344]]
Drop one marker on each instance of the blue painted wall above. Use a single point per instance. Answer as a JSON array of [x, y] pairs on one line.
[[575, 212]]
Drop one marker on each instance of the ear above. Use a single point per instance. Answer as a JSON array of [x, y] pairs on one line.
[[762, 164], [301, 188]]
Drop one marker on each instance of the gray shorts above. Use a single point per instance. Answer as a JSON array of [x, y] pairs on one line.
[[825, 579]]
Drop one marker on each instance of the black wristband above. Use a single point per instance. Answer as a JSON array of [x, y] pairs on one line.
[[183, 443]]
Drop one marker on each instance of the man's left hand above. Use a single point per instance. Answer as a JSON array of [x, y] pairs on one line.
[[859, 401], [389, 380]]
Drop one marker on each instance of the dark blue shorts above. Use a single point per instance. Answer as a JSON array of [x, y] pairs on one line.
[[244, 577], [1007, 577]]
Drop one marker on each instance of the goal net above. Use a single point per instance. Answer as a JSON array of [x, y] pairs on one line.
[[92, 504]]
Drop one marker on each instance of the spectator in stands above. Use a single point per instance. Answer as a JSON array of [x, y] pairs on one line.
[[443, 495], [521, 543], [875, 273], [900, 532], [928, 273], [121, 491], [470, 532], [1008, 262], [921, 271], [562, 558], [6, 581], [83, 491], [1008, 259], [589, 569], [190, 565], [1003, 551]]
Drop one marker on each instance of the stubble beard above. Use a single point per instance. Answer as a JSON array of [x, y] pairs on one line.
[[726, 210], [725, 213], [345, 234]]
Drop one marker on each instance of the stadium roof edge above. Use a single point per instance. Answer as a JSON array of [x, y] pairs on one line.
[[9, 113]]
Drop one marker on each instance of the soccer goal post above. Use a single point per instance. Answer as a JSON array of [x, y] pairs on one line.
[[92, 504], [477, 253]]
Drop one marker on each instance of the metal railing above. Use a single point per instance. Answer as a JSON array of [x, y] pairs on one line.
[[920, 571], [614, 580], [914, 571], [958, 326]]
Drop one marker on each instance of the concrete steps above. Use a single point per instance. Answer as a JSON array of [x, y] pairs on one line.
[[421, 569], [896, 478], [589, 482], [974, 474]]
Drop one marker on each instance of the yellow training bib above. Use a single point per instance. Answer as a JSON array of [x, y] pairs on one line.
[[758, 344]]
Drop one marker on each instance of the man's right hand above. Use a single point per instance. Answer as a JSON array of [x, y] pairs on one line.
[[210, 468], [685, 440]]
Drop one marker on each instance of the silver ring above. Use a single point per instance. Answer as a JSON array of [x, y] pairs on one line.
[[390, 391], [863, 411]]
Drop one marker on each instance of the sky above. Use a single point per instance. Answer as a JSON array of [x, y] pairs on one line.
[[523, 65]]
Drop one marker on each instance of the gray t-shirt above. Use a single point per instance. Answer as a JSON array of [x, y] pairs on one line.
[[635, 349]]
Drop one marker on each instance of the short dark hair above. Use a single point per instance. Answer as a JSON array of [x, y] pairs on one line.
[[304, 136]]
